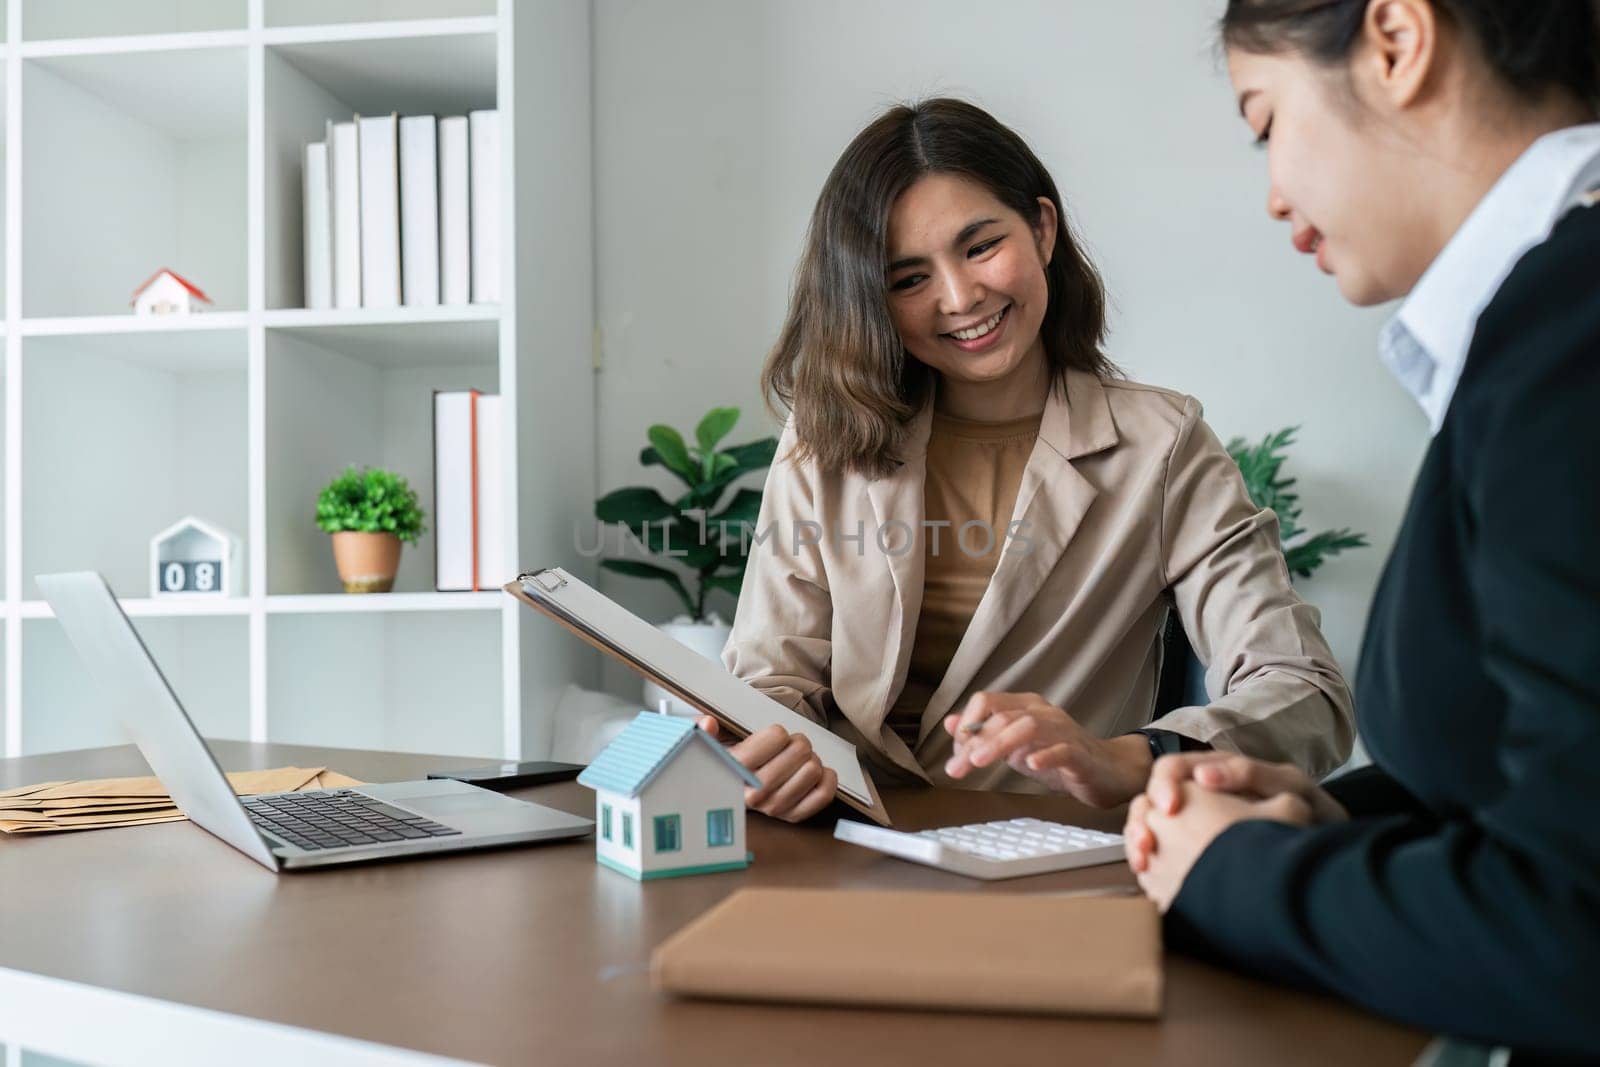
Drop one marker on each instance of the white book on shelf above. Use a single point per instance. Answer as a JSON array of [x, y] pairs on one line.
[[494, 569], [419, 211], [455, 512], [455, 240], [344, 178], [485, 147], [380, 210], [318, 236]]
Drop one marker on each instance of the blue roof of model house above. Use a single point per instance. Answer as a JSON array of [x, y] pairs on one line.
[[649, 743]]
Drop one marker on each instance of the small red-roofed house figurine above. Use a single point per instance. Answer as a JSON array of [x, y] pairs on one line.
[[669, 801], [167, 293]]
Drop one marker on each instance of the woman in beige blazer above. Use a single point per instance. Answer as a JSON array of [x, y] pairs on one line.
[[974, 529]]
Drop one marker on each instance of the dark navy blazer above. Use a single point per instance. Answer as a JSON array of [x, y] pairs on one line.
[[1465, 894]]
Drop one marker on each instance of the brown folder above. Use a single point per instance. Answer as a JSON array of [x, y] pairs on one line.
[[987, 952]]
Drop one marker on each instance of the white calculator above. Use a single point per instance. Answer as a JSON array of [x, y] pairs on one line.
[[1007, 849]]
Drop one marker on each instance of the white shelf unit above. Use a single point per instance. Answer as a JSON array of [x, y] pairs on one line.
[[141, 136]]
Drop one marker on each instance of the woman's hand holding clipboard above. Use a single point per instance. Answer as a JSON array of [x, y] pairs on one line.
[[684, 673]]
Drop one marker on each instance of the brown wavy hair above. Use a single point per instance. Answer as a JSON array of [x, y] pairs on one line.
[[839, 365]]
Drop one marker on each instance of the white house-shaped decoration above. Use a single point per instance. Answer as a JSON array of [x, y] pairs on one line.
[[194, 558], [167, 293], [669, 801]]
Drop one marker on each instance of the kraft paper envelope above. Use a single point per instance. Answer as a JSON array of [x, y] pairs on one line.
[[10, 827], [78, 816], [71, 804], [89, 805], [81, 819], [986, 952], [245, 783], [23, 791]]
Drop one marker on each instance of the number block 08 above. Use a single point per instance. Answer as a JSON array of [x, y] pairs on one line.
[[191, 576]]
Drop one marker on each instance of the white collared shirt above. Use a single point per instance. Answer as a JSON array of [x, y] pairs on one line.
[[1425, 344]]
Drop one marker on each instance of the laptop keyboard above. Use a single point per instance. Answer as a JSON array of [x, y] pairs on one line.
[[337, 818]]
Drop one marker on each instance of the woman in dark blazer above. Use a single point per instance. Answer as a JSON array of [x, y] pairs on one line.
[[1445, 152]]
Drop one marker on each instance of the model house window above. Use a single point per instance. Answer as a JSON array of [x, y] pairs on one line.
[[669, 833], [605, 821], [627, 829], [719, 827]]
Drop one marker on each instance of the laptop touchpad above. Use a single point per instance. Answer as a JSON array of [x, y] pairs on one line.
[[483, 811], [450, 805]]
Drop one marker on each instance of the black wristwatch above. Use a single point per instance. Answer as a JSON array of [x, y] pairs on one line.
[[1168, 743]]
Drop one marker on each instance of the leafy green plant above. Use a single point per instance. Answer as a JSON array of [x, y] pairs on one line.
[[1260, 465], [689, 530], [370, 501]]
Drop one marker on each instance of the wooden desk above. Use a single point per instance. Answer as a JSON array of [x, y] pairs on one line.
[[538, 955]]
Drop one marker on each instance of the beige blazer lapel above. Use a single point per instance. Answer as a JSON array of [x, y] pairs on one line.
[[897, 504], [1051, 501]]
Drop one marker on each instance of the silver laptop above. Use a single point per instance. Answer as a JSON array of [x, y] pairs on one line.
[[281, 831]]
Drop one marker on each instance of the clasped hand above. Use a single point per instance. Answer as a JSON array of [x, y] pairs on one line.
[[1193, 797]]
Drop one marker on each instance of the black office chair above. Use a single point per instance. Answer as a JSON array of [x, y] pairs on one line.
[[1183, 679]]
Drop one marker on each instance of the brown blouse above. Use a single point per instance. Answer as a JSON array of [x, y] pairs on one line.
[[974, 470]]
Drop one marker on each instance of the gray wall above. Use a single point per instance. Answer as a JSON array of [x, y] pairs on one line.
[[717, 120]]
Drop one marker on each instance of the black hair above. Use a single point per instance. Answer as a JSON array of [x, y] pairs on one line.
[[1534, 46]]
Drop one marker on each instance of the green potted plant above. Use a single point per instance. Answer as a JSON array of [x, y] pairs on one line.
[[369, 513], [696, 538], [1260, 465]]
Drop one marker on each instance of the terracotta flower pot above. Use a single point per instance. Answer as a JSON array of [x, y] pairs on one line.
[[366, 561]]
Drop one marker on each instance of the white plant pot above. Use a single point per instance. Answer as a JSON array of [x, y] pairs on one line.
[[706, 638]]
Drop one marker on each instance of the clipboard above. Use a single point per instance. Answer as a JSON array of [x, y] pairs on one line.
[[687, 675]]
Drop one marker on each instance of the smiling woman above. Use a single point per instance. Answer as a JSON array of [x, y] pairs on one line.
[[970, 305], [996, 523], [920, 191]]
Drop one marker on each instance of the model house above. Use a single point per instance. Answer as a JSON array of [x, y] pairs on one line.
[[167, 293], [193, 557], [669, 801]]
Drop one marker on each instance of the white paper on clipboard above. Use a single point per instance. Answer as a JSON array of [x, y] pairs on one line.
[[652, 652]]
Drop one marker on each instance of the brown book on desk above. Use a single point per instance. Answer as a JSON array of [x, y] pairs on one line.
[[987, 952]]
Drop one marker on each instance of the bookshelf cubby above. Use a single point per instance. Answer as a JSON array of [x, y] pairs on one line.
[[441, 67], [170, 135], [206, 659], [139, 163], [336, 395], [322, 666], [154, 422]]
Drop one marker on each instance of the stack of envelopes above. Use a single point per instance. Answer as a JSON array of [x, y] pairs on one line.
[[93, 805]]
